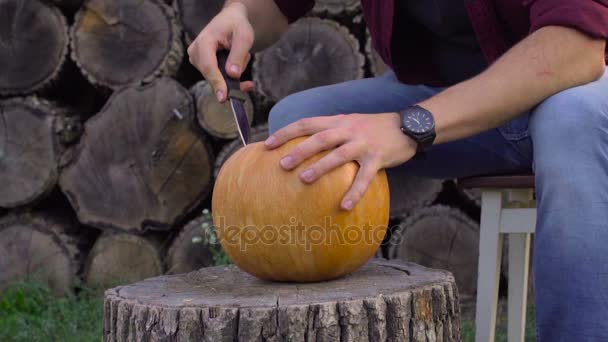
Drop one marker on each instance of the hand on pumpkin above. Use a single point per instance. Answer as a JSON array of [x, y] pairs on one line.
[[373, 141]]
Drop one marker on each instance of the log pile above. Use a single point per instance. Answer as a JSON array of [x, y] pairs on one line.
[[130, 147]]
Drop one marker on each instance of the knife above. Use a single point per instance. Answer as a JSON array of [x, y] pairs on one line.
[[236, 97]]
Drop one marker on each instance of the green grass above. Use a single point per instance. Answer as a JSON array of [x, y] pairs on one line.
[[30, 312]]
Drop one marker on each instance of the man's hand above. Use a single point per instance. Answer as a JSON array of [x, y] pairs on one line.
[[374, 141], [231, 30]]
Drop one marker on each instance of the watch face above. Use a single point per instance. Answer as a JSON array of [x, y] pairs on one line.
[[418, 121]]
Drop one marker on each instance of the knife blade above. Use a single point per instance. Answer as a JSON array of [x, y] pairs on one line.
[[236, 97]]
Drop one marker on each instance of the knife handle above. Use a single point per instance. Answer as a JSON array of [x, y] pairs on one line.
[[233, 84]]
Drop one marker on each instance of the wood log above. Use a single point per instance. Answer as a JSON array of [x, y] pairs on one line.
[[384, 301], [121, 258], [196, 14], [409, 193], [142, 162], [216, 118], [258, 133], [376, 64], [313, 52], [191, 249], [33, 45], [440, 237], [128, 42], [39, 247], [336, 7], [31, 133]]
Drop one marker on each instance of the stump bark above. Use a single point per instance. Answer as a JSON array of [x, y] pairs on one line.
[[313, 52], [410, 193], [440, 237], [142, 162], [336, 7], [214, 117], [122, 258], [30, 149], [196, 14], [258, 133], [384, 301], [118, 43], [33, 45], [40, 247], [190, 250]]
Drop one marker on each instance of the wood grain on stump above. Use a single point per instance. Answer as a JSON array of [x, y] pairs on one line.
[[384, 301], [29, 150], [117, 43], [122, 258], [142, 162], [196, 14], [33, 45], [258, 133], [214, 117], [440, 237], [313, 52], [190, 250], [410, 193], [39, 247], [336, 7]]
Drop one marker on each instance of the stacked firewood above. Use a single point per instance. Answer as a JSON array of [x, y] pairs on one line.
[[110, 140]]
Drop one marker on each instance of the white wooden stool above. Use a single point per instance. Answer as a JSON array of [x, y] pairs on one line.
[[508, 208]]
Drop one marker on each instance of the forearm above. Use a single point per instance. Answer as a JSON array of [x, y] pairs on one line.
[[548, 61], [267, 20]]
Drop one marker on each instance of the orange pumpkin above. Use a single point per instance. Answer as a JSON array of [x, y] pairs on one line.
[[275, 227]]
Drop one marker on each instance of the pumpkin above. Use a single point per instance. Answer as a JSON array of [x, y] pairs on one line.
[[275, 227]]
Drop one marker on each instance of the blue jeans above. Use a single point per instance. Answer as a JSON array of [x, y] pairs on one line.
[[565, 141]]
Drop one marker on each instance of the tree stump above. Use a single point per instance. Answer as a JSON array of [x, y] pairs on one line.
[[410, 193], [42, 248], [384, 301], [313, 52], [258, 133], [29, 150], [142, 162], [196, 14], [122, 258], [440, 237], [216, 118], [118, 43], [336, 7], [33, 45], [191, 249]]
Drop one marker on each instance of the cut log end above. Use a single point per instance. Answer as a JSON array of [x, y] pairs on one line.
[[377, 65], [336, 7], [411, 193], [118, 43], [40, 248], [385, 300], [313, 52], [196, 14], [142, 162], [190, 250], [216, 118], [454, 245], [32, 51], [122, 258], [29, 150]]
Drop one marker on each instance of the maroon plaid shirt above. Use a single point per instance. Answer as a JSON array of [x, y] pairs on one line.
[[498, 24]]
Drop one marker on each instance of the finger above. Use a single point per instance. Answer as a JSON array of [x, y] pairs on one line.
[[242, 42], [364, 178], [247, 86], [319, 142], [338, 157], [303, 127], [204, 55]]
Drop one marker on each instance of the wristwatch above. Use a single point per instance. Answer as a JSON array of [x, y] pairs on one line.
[[418, 124]]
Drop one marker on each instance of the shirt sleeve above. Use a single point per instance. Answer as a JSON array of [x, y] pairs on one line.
[[294, 9], [587, 16]]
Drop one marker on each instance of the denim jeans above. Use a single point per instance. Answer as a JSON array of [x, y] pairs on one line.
[[564, 140]]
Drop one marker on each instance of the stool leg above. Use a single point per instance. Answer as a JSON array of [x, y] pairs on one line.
[[490, 253], [519, 261]]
